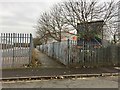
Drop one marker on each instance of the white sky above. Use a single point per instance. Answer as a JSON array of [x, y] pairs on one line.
[[20, 16]]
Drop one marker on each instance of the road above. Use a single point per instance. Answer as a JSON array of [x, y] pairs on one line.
[[100, 82]]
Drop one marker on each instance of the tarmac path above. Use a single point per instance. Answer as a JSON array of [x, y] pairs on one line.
[[48, 62]]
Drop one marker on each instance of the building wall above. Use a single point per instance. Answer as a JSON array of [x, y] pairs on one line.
[[96, 26], [64, 36]]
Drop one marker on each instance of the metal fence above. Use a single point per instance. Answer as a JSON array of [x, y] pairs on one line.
[[16, 49], [86, 54]]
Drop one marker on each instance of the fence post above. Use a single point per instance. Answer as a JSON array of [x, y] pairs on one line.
[[13, 48], [31, 48], [53, 49], [68, 50]]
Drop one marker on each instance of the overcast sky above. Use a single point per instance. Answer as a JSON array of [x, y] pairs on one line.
[[20, 16]]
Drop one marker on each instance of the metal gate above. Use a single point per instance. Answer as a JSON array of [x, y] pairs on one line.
[[16, 49]]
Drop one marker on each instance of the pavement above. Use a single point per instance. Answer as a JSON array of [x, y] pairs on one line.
[[54, 71], [86, 83], [50, 67]]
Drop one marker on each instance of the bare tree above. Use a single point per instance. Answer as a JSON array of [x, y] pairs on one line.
[[51, 24], [43, 27], [71, 13], [83, 11]]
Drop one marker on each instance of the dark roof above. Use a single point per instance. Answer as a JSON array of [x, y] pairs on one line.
[[91, 22]]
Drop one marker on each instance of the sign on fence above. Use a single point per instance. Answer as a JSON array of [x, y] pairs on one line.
[[16, 49]]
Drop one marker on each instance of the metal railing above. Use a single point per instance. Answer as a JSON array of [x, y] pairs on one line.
[[16, 49], [86, 54]]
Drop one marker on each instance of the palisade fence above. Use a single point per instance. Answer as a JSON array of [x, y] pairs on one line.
[[86, 54], [16, 49]]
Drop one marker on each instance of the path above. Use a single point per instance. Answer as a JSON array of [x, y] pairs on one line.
[[48, 62]]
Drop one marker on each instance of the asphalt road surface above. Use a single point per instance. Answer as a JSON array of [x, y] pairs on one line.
[[100, 82]]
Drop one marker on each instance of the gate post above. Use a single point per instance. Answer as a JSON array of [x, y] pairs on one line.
[[68, 50]]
